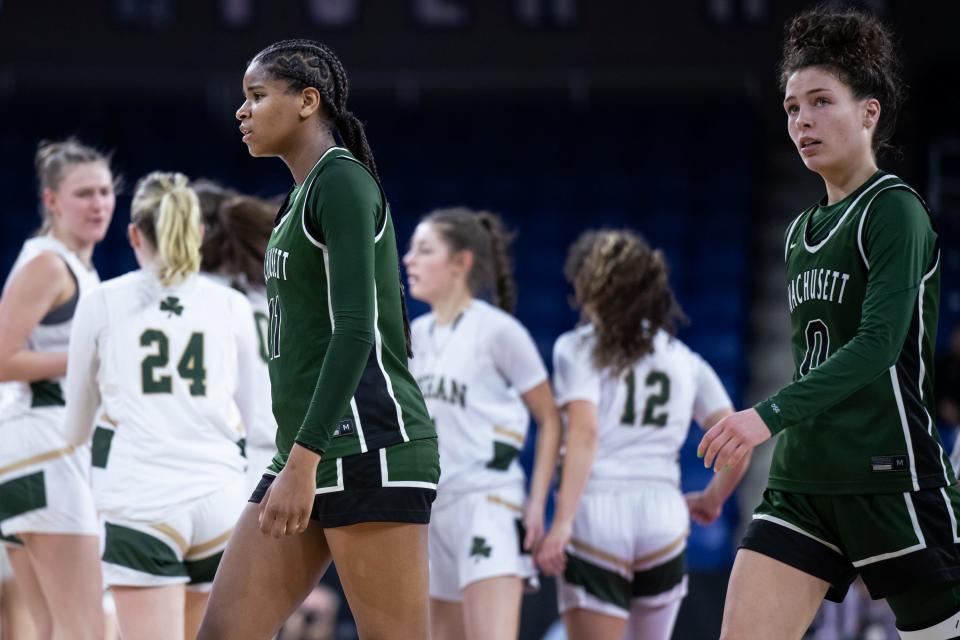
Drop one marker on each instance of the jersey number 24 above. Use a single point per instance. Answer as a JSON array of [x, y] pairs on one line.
[[190, 366]]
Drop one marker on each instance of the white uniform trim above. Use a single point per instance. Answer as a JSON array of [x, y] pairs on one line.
[[850, 208], [950, 512], [786, 241], [949, 628], [339, 486], [921, 544], [378, 346], [795, 528], [866, 211], [895, 381], [387, 482], [923, 285]]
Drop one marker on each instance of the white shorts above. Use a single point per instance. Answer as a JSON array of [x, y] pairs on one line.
[[44, 483], [183, 548], [475, 536], [628, 547], [258, 459]]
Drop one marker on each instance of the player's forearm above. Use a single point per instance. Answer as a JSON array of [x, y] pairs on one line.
[[580, 453], [872, 351], [33, 366], [339, 377], [545, 460], [724, 482]]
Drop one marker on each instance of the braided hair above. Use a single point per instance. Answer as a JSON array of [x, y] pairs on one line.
[[623, 285], [308, 63]]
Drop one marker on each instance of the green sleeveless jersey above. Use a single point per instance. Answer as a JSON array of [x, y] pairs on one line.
[[863, 284], [336, 344]]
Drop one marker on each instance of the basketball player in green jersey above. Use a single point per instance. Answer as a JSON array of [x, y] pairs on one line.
[[859, 482], [357, 463]]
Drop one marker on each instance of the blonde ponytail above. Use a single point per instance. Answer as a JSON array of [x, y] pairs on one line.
[[167, 211]]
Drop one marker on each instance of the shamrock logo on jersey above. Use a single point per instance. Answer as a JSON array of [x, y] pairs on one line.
[[171, 305], [480, 548]]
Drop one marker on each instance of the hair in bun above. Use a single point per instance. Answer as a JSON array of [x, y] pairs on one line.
[[855, 46]]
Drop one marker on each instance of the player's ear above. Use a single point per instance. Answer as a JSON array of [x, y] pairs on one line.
[[133, 235], [463, 260], [310, 98]]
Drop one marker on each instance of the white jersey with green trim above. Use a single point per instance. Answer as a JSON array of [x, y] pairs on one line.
[[173, 368], [53, 332], [261, 432], [473, 373], [643, 414]]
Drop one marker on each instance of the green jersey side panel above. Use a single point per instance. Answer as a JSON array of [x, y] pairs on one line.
[[862, 421], [338, 364]]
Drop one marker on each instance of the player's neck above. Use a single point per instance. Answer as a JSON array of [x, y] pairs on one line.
[[846, 180], [445, 311], [82, 251], [302, 159]]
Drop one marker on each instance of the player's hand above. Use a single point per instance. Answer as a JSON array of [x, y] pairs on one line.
[[728, 441], [703, 509], [552, 555], [533, 523], [286, 507]]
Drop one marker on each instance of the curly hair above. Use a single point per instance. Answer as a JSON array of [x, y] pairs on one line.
[[855, 46], [623, 287], [484, 235]]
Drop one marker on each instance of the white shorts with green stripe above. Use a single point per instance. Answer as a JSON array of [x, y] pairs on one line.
[[185, 547], [476, 536], [44, 483], [628, 548]]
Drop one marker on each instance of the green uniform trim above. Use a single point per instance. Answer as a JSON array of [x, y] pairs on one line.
[[23, 494], [100, 448], [203, 570], [140, 551], [603, 584], [503, 455], [663, 577], [46, 393]]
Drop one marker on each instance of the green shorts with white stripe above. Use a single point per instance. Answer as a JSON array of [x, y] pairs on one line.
[[394, 484], [894, 541]]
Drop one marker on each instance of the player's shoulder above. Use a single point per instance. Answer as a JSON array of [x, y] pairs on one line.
[[346, 173], [121, 283], [578, 340], [207, 286], [493, 317], [421, 324]]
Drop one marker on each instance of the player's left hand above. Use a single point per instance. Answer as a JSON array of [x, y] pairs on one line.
[[728, 441], [703, 509], [288, 503], [552, 555], [533, 523]]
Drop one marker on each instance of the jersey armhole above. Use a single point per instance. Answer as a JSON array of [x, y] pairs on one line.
[[64, 311], [316, 235], [866, 212]]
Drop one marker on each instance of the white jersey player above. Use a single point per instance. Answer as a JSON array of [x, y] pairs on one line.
[[481, 376], [628, 390], [168, 357], [236, 231], [45, 499]]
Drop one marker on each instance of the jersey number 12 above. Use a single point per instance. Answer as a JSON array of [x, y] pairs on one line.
[[653, 413]]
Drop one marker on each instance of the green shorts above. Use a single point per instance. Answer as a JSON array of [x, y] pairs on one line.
[[894, 541], [394, 484]]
